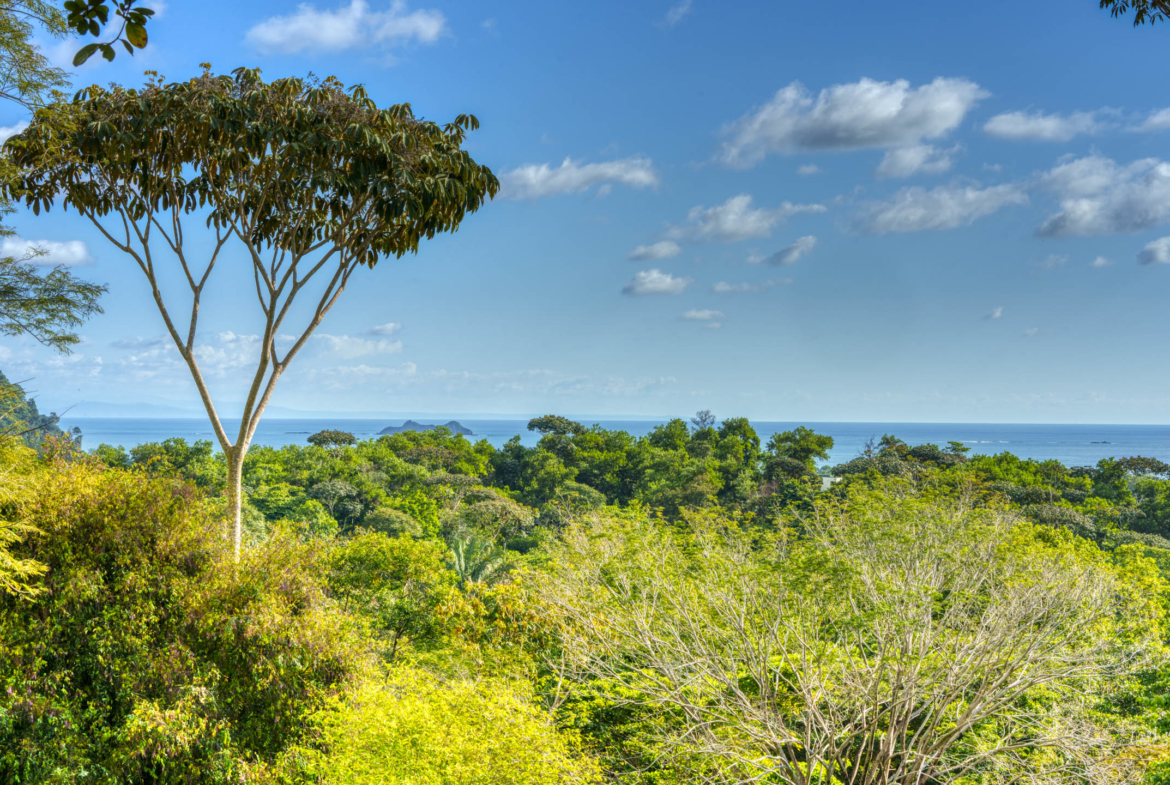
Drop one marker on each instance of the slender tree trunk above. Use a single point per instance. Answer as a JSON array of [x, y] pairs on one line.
[[235, 461]]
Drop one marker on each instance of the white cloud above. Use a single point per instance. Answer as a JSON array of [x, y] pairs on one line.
[[1097, 196], [802, 247], [389, 328], [139, 343], [862, 114], [69, 253], [907, 161], [344, 347], [808, 169], [677, 13], [723, 287], [736, 219], [996, 313], [993, 167], [533, 181], [1157, 121], [654, 281], [1040, 127], [1032, 332], [489, 24], [1053, 261], [349, 27], [9, 131], [1157, 252], [945, 207], [702, 315], [1100, 262], [663, 250]]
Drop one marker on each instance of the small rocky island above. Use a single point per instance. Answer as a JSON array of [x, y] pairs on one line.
[[411, 425]]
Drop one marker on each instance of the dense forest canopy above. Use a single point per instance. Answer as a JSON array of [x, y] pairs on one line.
[[686, 606]]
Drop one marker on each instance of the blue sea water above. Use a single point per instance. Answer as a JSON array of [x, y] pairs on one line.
[[1073, 445]]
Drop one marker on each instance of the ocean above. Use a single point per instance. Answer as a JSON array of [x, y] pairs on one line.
[[1072, 445]]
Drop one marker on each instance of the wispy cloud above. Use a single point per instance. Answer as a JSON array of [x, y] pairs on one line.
[[663, 250], [1040, 127], [736, 219], [945, 207], [534, 181], [723, 287], [677, 13], [792, 253]]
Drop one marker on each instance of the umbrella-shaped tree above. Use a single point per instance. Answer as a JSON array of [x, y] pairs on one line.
[[312, 179]]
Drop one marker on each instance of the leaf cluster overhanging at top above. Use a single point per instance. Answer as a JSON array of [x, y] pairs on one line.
[[291, 163]]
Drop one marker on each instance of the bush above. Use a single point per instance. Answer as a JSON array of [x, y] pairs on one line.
[[150, 656], [414, 729]]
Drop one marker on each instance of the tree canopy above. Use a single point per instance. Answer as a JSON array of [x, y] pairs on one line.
[[307, 175]]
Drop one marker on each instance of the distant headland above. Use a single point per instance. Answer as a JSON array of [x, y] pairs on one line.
[[411, 425]]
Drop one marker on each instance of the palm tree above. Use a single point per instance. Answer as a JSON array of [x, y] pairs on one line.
[[477, 559]]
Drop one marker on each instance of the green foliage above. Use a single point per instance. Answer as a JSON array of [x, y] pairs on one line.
[[414, 729], [554, 423], [20, 418], [88, 17], [802, 445], [1144, 11], [28, 76], [332, 438], [316, 158], [398, 584], [46, 305], [420, 507], [151, 656]]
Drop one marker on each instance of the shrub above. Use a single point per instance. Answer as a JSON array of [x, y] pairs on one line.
[[151, 656], [416, 729]]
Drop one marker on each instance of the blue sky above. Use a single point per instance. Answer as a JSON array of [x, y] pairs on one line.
[[791, 211]]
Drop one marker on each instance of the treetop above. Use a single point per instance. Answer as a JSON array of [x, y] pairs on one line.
[[294, 164]]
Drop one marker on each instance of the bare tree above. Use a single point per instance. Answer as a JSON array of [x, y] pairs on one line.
[[312, 180], [894, 644]]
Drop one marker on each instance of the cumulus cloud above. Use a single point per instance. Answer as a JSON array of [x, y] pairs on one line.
[[862, 114], [1100, 262], [1157, 252], [654, 281], [533, 181], [945, 207], [663, 250], [1157, 121], [723, 287], [68, 253], [1040, 127], [808, 170], [802, 247], [1097, 196], [355, 26], [702, 315], [677, 13], [907, 161], [996, 313], [736, 219], [389, 328]]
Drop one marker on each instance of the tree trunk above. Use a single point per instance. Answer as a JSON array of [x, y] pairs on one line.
[[235, 461]]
